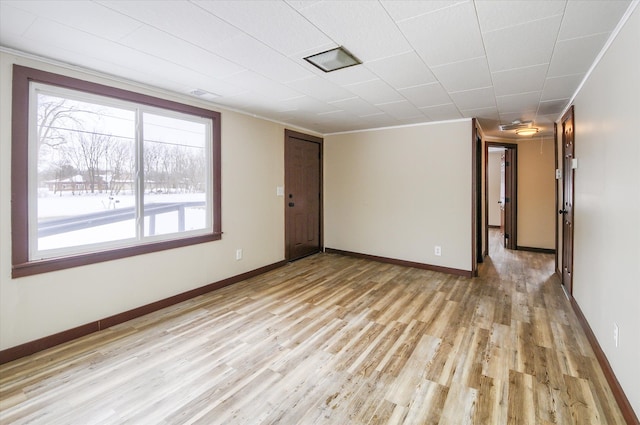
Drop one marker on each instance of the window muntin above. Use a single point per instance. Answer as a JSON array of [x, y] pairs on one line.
[[90, 141]]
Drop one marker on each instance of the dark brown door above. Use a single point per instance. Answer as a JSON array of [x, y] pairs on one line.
[[566, 211], [510, 184], [303, 195]]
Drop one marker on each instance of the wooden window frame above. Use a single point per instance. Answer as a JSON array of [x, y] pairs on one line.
[[21, 264]]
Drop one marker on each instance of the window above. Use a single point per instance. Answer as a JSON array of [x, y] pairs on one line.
[[100, 173]]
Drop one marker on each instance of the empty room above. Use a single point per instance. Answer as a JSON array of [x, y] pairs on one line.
[[319, 212]]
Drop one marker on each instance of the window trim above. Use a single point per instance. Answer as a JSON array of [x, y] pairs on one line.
[[22, 266]]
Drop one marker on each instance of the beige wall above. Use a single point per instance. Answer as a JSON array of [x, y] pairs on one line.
[[252, 219], [607, 204], [398, 192], [493, 182]]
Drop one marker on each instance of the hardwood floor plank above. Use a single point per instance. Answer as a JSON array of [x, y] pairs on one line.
[[332, 340]]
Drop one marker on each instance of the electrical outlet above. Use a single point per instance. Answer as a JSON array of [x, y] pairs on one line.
[[437, 250], [239, 254], [616, 335]]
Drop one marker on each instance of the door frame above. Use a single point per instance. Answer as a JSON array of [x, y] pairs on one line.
[[311, 139], [513, 236]]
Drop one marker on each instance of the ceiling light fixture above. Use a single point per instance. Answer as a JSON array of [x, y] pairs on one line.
[[526, 131], [333, 59]]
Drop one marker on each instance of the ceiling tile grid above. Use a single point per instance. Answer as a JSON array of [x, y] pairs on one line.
[[422, 61]]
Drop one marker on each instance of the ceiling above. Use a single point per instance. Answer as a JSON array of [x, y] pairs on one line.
[[423, 61]]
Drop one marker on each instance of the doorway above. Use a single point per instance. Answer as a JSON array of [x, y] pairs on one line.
[[303, 194], [506, 201]]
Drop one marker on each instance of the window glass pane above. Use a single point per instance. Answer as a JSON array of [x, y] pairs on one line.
[[85, 169], [176, 175]]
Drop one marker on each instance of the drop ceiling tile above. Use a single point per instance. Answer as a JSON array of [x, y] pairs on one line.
[[426, 95], [522, 45], [576, 55], [356, 106], [162, 45], [494, 15], [319, 88], [260, 84], [490, 113], [363, 27], [346, 76], [13, 20], [561, 87], [375, 91], [401, 110], [179, 18], [400, 71], [259, 18], [306, 104], [552, 106], [519, 80], [86, 16], [442, 112], [410, 9], [584, 18], [465, 75], [256, 56], [446, 35], [510, 117], [474, 99], [518, 102]]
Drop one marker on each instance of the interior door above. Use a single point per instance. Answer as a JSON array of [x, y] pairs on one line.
[[303, 195], [566, 212]]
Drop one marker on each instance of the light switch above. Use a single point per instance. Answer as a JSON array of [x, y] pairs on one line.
[[558, 174], [574, 163], [280, 191]]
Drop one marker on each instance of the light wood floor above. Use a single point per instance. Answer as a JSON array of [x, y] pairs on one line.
[[332, 340]]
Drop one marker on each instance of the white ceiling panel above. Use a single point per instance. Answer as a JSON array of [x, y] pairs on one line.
[[158, 43], [363, 27], [258, 18], [561, 87], [486, 113], [474, 99], [498, 14], [422, 60], [442, 112], [14, 21], [426, 95], [356, 106], [402, 110], [401, 10], [519, 80], [375, 91], [182, 19], [518, 102], [402, 71], [106, 23], [576, 55], [523, 45], [456, 76], [319, 88], [587, 17], [446, 35]]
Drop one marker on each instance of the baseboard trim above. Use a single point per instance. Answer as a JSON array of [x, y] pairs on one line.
[[618, 393], [41, 344], [532, 249], [424, 266]]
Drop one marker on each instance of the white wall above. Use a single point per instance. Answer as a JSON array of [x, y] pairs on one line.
[[252, 219], [494, 164], [398, 192], [607, 204]]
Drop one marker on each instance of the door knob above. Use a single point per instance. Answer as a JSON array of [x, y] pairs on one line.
[[563, 212], [291, 204]]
